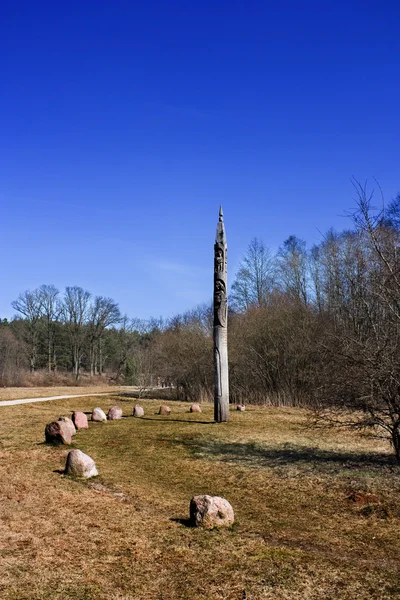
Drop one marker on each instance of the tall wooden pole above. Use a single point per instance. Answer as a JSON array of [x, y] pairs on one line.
[[221, 377]]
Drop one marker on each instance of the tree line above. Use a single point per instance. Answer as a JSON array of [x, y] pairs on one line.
[[315, 327]]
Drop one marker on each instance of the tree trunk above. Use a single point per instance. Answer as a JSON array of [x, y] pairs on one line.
[[49, 352], [100, 357], [396, 443], [91, 358], [76, 362], [54, 358], [96, 361]]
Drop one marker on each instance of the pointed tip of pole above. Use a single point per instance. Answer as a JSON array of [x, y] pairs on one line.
[[221, 214]]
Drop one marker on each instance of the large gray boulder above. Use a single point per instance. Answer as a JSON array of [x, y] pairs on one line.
[[115, 412], [69, 424], [80, 420], [138, 411], [210, 511], [98, 414], [80, 464], [57, 433], [164, 410]]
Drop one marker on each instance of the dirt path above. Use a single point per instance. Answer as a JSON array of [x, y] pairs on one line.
[[46, 399]]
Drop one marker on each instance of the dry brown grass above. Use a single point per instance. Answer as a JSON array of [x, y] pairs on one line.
[[124, 536]]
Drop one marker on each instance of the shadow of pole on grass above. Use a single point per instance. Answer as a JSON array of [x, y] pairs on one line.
[[286, 454], [166, 419]]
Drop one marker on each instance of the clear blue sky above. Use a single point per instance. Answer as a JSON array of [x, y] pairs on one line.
[[124, 125]]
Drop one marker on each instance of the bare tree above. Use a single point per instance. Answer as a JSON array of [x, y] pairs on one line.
[[316, 276], [360, 379], [255, 278], [12, 356], [50, 311], [293, 268], [184, 357], [103, 313], [75, 310], [29, 304]]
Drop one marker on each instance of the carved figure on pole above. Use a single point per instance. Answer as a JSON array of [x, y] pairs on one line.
[[221, 378]]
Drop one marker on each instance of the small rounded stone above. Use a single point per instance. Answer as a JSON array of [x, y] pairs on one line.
[[211, 511], [57, 433], [69, 423], [80, 464], [114, 413], [80, 420], [98, 414], [138, 411]]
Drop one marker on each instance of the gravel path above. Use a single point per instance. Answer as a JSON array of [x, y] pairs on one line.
[[29, 400]]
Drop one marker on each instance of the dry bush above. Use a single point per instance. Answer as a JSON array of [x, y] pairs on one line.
[[273, 354], [42, 378], [185, 357], [12, 361]]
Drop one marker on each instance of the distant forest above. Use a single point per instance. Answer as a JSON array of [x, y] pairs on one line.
[[307, 327]]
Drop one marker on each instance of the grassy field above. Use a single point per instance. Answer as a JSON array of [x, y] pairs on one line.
[[125, 535]]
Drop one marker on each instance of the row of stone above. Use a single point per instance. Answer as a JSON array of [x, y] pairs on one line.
[[62, 431]]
